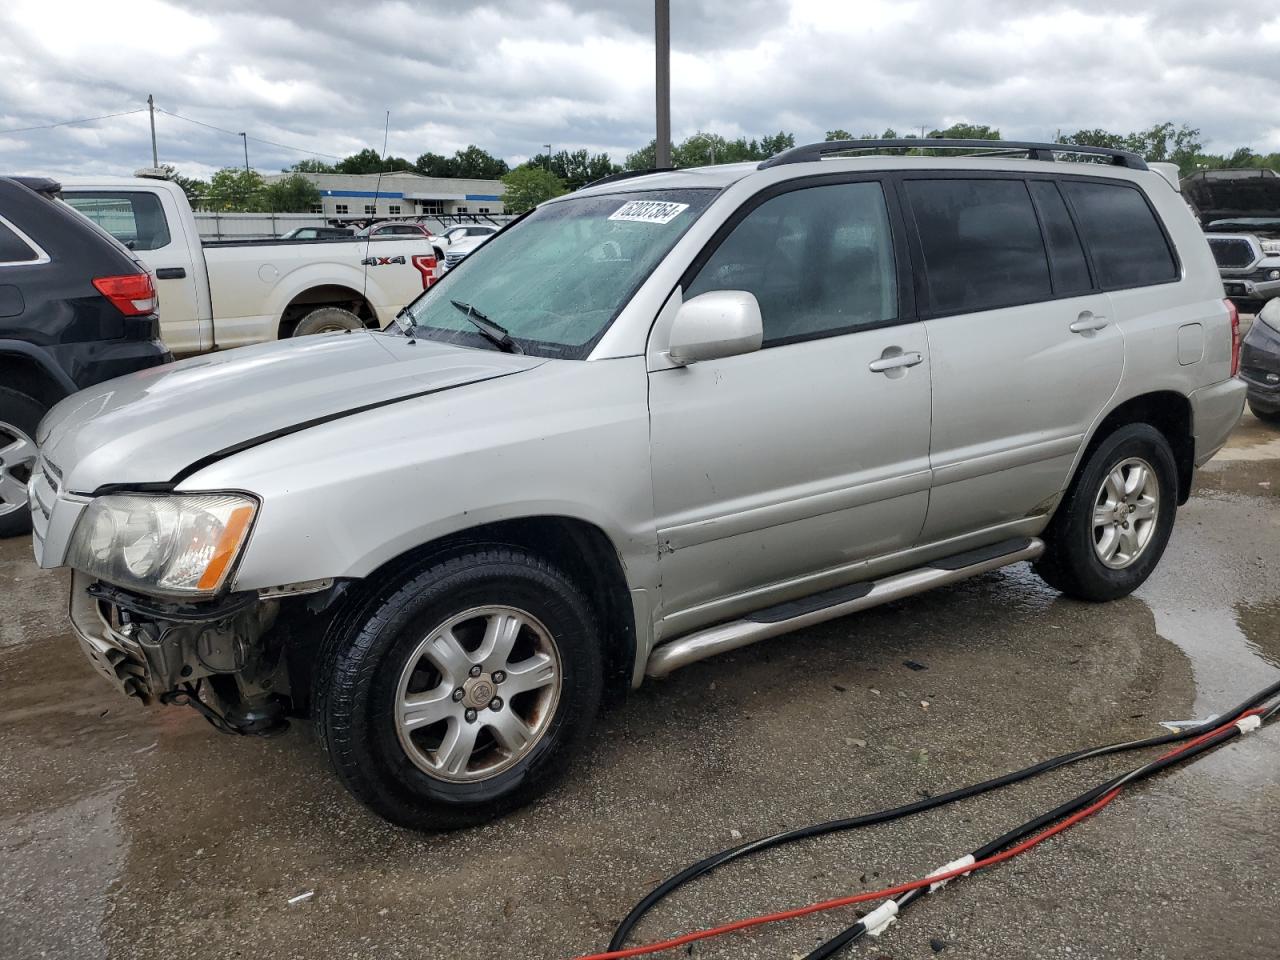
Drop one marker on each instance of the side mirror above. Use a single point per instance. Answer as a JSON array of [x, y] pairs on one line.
[[722, 323]]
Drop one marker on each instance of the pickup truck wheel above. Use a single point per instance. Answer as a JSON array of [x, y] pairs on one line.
[[327, 320], [1112, 527], [465, 693], [19, 416]]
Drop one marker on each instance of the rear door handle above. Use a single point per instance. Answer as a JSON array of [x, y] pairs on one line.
[[895, 362], [171, 273], [1088, 322]]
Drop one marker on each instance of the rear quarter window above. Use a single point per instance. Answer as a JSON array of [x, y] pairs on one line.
[[13, 249], [1125, 241]]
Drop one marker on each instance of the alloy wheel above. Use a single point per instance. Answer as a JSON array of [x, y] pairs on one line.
[[17, 459], [478, 693], [1125, 512]]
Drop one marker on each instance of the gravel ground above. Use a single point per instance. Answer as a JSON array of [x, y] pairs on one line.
[[131, 833]]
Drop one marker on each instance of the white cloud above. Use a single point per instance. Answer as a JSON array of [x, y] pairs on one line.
[[511, 75]]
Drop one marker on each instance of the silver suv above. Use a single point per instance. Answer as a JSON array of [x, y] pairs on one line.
[[658, 419]]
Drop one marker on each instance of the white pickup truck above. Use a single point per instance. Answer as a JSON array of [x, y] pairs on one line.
[[234, 292]]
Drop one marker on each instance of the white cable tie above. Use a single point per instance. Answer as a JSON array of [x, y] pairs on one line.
[[1249, 724], [878, 920], [965, 861]]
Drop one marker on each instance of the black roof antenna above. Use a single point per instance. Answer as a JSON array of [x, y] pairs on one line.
[[382, 162]]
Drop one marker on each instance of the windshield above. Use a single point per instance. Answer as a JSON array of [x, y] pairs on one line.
[[556, 279]]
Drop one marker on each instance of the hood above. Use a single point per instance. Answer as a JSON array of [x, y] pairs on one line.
[[155, 426]]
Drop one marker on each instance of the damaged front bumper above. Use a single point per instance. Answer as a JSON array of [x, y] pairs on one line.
[[219, 654]]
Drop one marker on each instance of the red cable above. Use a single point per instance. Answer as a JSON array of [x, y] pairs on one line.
[[888, 892]]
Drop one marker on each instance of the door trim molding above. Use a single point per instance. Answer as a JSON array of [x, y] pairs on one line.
[[1019, 456]]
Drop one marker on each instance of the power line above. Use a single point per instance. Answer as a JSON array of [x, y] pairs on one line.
[[236, 133], [64, 123]]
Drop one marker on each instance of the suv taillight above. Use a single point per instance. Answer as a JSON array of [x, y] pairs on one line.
[[133, 294], [1235, 336]]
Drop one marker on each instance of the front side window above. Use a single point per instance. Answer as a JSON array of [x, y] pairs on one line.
[[981, 242], [559, 277], [819, 261], [1126, 242], [135, 219]]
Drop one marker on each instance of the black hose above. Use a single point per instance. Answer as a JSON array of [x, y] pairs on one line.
[[705, 866], [857, 930]]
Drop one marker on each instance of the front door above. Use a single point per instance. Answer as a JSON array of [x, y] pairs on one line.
[[775, 472]]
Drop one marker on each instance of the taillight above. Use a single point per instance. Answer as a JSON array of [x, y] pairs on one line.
[[426, 264], [1235, 336], [133, 294]]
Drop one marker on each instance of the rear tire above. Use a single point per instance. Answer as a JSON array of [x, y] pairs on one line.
[[1105, 539], [1266, 416], [19, 416], [327, 320], [410, 654]]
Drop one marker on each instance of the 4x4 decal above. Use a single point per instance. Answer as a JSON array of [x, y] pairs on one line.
[[380, 261]]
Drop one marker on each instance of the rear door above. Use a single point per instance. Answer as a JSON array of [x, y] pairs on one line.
[[1025, 353], [137, 218], [776, 472]]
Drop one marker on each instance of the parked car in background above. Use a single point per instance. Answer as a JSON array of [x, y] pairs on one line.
[[317, 233], [76, 308], [394, 228], [1240, 213], [229, 293], [1260, 363], [652, 421], [463, 247], [463, 231]]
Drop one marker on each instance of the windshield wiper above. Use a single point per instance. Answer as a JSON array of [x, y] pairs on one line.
[[493, 332]]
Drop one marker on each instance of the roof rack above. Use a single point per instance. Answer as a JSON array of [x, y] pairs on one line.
[[1033, 151], [625, 175]]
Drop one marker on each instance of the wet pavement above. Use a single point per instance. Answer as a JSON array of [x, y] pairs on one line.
[[131, 833]]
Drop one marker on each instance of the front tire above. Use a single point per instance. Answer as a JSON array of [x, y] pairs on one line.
[[1113, 524], [465, 693], [19, 416]]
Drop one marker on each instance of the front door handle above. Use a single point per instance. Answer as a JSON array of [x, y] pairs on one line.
[[1088, 322], [898, 361]]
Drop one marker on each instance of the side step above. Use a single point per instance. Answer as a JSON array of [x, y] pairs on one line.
[[830, 604]]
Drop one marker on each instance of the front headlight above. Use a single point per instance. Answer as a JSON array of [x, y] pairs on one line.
[[177, 545]]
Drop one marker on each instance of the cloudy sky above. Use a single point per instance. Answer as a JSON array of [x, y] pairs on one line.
[[511, 75]]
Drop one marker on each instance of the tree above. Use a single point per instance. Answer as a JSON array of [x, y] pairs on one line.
[[646, 158], [478, 164], [839, 134], [193, 188], [236, 189], [697, 150], [967, 131], [368, 161], [434, 165], [292, 194], [310, 165], [576, 168], [1162, 142], [528, 186]]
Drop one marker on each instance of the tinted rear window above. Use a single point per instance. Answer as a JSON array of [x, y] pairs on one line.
[[982, 244], [1127, 245], [13, 249], [1070, 272]]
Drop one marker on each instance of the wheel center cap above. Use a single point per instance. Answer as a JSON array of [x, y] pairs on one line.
[[478, 691]]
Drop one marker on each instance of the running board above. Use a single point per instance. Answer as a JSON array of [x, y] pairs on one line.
[[830, 604]]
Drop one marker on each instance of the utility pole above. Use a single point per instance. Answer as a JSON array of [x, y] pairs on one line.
[[548, 156], [662, 44], [245, 137], [155, 155]]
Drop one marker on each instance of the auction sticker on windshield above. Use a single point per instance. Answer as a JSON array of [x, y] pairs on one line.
[[649, 211]]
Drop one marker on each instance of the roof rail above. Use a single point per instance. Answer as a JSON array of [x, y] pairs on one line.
[[625, 175], [1034, 151]]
